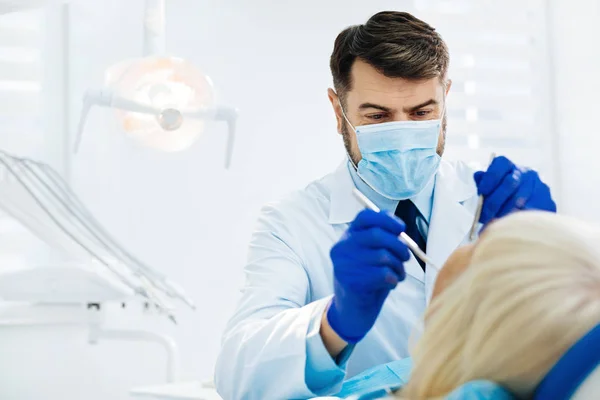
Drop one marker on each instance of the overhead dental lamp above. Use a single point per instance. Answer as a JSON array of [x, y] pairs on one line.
[[161, 101]]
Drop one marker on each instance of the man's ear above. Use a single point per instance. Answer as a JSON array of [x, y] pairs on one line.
[[337, 109], [448, 86]]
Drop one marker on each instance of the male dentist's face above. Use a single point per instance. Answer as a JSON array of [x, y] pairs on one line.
[[375, 98]]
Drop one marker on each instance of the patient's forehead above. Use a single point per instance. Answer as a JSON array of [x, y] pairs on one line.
[[458, 261]]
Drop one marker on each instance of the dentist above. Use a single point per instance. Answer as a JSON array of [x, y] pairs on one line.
[[330, 291]]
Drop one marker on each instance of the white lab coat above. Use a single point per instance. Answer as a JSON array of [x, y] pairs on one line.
[[289, 282]]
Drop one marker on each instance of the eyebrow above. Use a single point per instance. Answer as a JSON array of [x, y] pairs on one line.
[[418, 106], [365, 106]]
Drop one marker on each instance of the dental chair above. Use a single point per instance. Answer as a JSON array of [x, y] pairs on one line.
[[576, 376]]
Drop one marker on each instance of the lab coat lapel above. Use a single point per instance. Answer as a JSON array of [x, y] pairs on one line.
[[451, 217]]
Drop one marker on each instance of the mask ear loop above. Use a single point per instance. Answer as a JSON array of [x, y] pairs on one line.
[[345, 117], [442, 115], [354, 129]]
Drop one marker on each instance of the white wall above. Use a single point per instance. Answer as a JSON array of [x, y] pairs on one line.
[[576, 45], [187, 216]]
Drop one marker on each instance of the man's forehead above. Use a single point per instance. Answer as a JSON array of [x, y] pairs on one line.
[[371, 86]]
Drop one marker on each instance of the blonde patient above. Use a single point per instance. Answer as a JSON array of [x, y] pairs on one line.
[[508, 307]]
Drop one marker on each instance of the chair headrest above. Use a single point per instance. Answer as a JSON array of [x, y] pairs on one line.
[[573, 368]]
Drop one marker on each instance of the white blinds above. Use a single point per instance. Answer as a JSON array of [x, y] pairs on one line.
[[21, 41], [500, 100], [30, 57]]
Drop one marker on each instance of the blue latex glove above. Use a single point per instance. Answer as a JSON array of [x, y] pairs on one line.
[[367, 264], [506, 188]]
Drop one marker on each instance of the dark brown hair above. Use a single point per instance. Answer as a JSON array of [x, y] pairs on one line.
[[397, 44]]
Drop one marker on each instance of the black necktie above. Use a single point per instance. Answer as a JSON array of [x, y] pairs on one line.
[[408, 213]]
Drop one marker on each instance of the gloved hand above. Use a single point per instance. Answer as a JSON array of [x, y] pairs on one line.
[[367, 264], [506, 187]]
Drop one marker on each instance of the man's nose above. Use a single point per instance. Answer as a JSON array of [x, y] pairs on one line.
[[401, 117]]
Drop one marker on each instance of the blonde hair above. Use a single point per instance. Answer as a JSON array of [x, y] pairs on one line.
[[532, 289]]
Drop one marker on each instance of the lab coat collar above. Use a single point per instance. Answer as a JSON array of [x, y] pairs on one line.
[[344, 206]]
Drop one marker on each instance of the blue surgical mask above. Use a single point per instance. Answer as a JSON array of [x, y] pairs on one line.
[[398, 158]]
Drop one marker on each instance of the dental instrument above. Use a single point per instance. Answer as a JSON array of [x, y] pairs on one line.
[[85, 217], [34, 194], [479, 208], [414, 247]]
